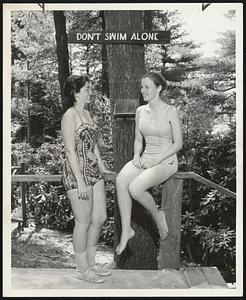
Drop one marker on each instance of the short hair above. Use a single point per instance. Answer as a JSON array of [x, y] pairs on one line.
[[72, 85]]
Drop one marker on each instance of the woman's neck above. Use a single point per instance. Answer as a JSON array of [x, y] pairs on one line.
[[155, 104], [79, 106]]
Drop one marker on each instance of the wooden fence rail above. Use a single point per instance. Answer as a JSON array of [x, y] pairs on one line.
[[172, 192], [111, 177]]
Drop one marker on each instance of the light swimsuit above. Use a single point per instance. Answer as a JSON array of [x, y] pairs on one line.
[[157, 133]]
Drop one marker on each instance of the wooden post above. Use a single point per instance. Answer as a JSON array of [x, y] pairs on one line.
[[23, 203], [171, 204], [23, 198]]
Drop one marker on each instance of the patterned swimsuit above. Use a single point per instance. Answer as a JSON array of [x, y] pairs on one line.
[[86, 137]]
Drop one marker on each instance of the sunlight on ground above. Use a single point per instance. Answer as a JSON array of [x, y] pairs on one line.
[[49, 248]]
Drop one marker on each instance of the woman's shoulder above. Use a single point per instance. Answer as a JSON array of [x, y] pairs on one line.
[[142, 108], [170, 108], [69, 114], [171, 112]]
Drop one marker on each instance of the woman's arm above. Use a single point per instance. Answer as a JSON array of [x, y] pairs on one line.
[[177, 134], [101, 164], [138, 142], [68, 131]]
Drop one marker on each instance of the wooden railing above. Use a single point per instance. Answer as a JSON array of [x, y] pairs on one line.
[[111, 177], [172, 192]]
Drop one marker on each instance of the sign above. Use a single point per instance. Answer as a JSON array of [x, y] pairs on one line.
[[125, 108], [119, 37]]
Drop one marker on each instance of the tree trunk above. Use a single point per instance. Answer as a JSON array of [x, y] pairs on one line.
[[105, 80], [148, 20], [62, 50], [126, 66]]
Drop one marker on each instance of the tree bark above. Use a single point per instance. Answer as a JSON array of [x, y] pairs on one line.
[[126, 66], [105, 80], [62, 50], [148, 20]]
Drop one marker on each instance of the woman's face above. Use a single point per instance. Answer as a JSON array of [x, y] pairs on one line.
[[149, 90], [84, 93]]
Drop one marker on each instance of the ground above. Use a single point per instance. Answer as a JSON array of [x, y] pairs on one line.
[[45, 248]]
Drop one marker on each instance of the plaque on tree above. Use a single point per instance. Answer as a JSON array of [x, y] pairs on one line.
[[125, 108]]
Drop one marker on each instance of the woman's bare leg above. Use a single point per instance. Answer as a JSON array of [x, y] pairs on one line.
[[125, 177], [82, 210], [98, 218], [138, 191]]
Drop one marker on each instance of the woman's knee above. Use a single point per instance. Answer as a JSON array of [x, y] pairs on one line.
[[83, 221], [134, 191], [121, 180], [99, 220]]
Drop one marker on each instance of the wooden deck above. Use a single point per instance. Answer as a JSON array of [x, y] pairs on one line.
[[190, 278]]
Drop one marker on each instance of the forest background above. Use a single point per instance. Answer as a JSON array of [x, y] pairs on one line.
[[204, 91]]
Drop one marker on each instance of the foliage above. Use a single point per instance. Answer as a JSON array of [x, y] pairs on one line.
[[35, 88], [208, 224], [47, 203], [202, 89], [49, 207]]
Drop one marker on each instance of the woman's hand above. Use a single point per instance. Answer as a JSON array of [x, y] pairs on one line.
[[148, 163], [137, 161], [83, 191]]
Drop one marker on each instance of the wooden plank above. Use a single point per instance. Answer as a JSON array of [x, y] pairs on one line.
[[111, 177], [183, 175], [23, 204], [172, 193], [34, 178], [51, 178], [209, 183], [214, 278], [47, 278], [57, 178], [196, 278], [119, 37]]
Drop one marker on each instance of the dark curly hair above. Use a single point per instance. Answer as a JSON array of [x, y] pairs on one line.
[[72, 85]]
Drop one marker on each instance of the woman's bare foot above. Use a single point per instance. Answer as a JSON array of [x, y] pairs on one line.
[[162, 225], [123, 242]]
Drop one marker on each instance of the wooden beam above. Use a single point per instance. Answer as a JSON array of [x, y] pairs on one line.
[[35, 178], [23, 204], [172, 193], [111, 177], [54, 178], [211, 184]]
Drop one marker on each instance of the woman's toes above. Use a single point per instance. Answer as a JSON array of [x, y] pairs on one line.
[[162, 226], [119, 249], [122, 245], [132, 233]]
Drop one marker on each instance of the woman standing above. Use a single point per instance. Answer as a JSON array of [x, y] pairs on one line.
[[159, 124], [82, 178]]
